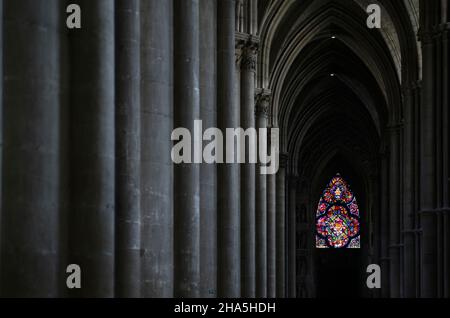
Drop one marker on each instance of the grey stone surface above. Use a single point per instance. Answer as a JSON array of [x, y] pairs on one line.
[[291, 244], [446, 149], [228, 175], [409, 196], [1, 114], [261, 209], [31, 162], [208, 172], [128, 209], [248, 177], [427, 172], [156, 163], [187, 176], [271, 236], [281, 229], [384, 231], [92, 148], [394, 213]]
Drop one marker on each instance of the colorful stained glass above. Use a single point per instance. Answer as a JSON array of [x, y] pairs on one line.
[[337, 217]]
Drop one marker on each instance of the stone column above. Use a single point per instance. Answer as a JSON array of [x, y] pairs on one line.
[[446, 146], [271, 235], [31, 156], [240, 12], [417, 223], [427, 172], [442, 154], [394, 212], [228, 175], [128, 222], [375, 221], [248, 168], [262, 113], [1, 114], [281, 227], [253, 16], [438, 155], [208, 173], [92, 149], [384, 226], [445, 10], [187, 175], [292, 251], [409, 207], [156, 162]]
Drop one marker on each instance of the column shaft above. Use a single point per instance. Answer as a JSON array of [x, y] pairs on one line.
[[384, 228], [427, 172], [446, 155], [248, 170], [1, 115], [31, 153], [208, 173], [394, 214], [438, 156], [253, 16], [409, 281], [281, 228], [128, 223], [417, 186], [271, 236], [156, 162], [187, 176], [446, 116], [228, 177], [92, 148], [262, 113], [292, 253]]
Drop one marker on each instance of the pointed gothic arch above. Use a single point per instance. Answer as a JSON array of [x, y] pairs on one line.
[[337, 217]]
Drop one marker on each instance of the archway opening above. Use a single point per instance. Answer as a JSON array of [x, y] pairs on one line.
[[337, 217], [339, 270]]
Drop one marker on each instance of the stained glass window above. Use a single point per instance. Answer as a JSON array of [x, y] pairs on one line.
[[337, 217]]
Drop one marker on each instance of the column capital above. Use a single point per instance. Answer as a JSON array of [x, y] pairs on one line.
[[426, 36], [437, 31], [247, 46], [444, 27], [441, 29], [248, 59], [262, 103], [410, 88]]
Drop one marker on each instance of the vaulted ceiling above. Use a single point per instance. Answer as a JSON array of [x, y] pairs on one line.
[[336, 84]]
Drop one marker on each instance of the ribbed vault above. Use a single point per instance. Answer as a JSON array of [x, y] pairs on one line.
[[321, 61]]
